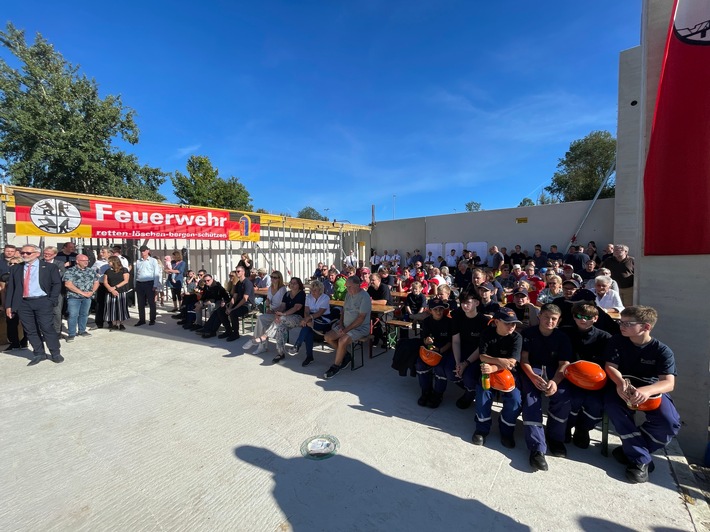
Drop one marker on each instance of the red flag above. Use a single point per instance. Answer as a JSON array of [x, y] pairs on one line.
[[677, 175]]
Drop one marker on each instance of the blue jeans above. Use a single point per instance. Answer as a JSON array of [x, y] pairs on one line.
[[78, 309]]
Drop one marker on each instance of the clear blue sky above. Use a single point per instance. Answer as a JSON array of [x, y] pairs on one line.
[[342, 104]]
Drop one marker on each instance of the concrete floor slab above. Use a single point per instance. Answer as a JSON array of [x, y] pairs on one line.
[[156, 429]]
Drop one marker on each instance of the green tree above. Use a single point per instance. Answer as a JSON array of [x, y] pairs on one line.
[[56, 132], [473, 206], [583, 168], [526, 202], [309, 213], [545, 199], [205, 188]]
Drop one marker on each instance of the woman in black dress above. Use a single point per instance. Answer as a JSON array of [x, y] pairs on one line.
[[115, 280]]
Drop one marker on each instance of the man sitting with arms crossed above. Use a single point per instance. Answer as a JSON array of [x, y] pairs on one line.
[[354, 324]]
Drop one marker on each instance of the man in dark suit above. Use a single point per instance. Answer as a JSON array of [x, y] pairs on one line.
[[33, 291]]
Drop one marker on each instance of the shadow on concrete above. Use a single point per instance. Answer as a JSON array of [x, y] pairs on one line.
[[341, 493], [25, 352]]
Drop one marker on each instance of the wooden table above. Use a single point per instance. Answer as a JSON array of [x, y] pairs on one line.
[[403, 295], [613, 313], [376, 307]]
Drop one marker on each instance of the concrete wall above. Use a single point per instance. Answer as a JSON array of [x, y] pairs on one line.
[[546, 225], [665, 283]]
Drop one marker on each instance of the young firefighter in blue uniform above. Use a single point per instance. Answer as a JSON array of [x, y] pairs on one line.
[[588, 343], [437, 329], [469, 324], [636, 354], [499, 348], [546, 350]]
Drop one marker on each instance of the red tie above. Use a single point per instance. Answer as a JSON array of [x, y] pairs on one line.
[[26, 285]]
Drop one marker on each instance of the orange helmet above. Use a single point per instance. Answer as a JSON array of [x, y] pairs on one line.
[[503, 380], [431, 358], [649, 404], [586, 375]]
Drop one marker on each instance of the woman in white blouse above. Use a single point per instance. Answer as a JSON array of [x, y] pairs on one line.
[[274, 297], [315, 317], [607, 298]]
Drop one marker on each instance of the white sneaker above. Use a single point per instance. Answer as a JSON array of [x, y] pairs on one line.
[[249, 344], [263, 348], [293, 350]]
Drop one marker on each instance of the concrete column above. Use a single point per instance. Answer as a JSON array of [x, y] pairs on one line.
[[674, 285]]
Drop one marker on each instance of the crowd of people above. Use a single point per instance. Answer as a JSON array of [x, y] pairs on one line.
[[502, 324]]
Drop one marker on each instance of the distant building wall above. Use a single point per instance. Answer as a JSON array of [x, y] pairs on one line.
[[546, 225]]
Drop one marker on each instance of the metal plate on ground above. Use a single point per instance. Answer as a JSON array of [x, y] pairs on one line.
[[320, 447]]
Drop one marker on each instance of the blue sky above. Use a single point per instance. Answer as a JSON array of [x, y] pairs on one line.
[[342, 105]]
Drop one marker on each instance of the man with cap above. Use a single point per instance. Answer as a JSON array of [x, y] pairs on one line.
[[149, 273], [546, 351], [568, 272], [365, 276], [526, 312], [487, 306], [436, 333], [499, 348], [81, 283]]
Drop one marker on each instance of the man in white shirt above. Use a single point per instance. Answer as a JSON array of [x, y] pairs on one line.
[[351, 260], [375, 260], [396, 258], [149, 274], [116, 252], [452, 259], [262, 280]]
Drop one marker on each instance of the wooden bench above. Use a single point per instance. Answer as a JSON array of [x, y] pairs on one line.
[[359, 345], [251, 317], [393, 331]]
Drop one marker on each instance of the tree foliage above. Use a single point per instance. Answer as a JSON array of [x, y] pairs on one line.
[[473, 206], [204, 187], [545, 199], [56, 132], [309, 213], [526, 202], [582, 169]]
